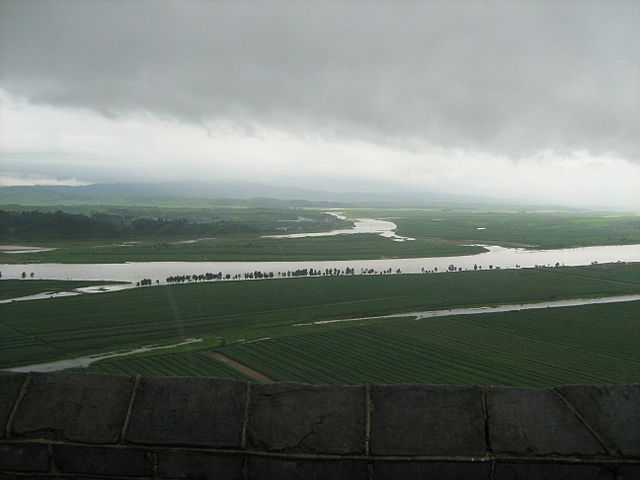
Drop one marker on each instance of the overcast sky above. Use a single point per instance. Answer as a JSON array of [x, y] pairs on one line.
[[531, 100]]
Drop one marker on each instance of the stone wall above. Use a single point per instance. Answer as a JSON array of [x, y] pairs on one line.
[[75, 425]]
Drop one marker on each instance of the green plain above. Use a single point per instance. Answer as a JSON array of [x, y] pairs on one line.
[[536, 229], [341, 247], [592, 344], [437, 232], [21, 288], [52, 329], [193, 364]]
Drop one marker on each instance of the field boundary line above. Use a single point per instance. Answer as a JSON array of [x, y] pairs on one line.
[[242, 368]]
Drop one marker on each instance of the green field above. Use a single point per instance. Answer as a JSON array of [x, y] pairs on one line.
[[194, 364], [45, 330], [507, 228], [341, 247], [21, 288], [536, 348], [438, 232]]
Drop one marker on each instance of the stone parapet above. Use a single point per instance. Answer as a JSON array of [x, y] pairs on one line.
[[81, 425]]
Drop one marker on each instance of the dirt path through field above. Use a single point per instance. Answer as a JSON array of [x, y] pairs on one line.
[[262, 378]]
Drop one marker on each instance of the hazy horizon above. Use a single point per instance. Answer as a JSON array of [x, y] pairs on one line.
[[531, 101]]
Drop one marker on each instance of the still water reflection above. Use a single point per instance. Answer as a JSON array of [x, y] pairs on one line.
[[500, 257]]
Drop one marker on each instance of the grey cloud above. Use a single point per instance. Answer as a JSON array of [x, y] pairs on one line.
[[501, 77]]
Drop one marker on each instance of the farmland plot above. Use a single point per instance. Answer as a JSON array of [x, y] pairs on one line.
[[589, 344]]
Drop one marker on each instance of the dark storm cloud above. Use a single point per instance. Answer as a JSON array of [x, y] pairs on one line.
[[509, 77]]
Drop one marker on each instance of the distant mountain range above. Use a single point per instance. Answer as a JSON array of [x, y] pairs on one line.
[[244, 194]]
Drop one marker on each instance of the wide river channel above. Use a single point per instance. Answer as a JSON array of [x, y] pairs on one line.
[[495, 256]]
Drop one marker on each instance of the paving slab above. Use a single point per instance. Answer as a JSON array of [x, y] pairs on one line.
[[628, 472], [291, 417], [101, 461], [611, 410], [82, 407], [193, 411], [264, 468], [10, 385], [427, 420], [23, 457], [437, 470], [196, 465], [550, 471], [530, 421]]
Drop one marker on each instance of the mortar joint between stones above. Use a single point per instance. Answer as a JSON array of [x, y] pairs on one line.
[[14, 410], [485, 418], [367, 431], [132, 399], [245, 418], [600, 438]]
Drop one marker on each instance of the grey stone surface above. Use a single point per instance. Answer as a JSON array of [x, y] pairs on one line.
[[265, 468], [427, 420], [628, 472], [188, 411], [431, 470], [612, 410], [190, 465], [81, 407], [10, 385], [24, 457], [304, 418], [530, 421], [549, 471], [101, 460], [58, 477]]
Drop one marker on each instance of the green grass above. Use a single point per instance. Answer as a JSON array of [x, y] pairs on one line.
[[438, 232], [341, 247], [537, 348], [44, 330], [21, 288], [507, 228], [194, 364]]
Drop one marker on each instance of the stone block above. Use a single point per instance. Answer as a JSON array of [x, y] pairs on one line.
[[82, 407], [101, 460], [199, 465], [193, 411], [291, 417], [628, 472], [553, 471], [611, 410], [10, 385], [24, 457], [53, 477], [529, 421], [266, 468], [431, 470], [427, 420]]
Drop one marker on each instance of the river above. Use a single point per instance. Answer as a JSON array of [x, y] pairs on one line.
[[495, 256], [383, 228]]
